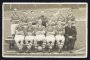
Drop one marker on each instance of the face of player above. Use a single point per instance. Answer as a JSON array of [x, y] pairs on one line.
[[70, 15], [50, 28], [69, 23], [39, 21], [15, 12], [51, 17], [50, 22], [59, 23], [25, 24], [42, 15], [60, 15], [32, 17], [29, 23], [70, 11], [20, 23], [24, 14]]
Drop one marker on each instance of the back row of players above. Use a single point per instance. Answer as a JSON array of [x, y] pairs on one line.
[[42, 32]]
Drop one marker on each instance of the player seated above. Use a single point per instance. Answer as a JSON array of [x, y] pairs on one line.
[[50, 36], [53, 21], [19, 37], [40, 37], [29, 37], [60, 31]]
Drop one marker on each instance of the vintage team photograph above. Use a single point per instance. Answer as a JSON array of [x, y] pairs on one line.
[[45, 30]]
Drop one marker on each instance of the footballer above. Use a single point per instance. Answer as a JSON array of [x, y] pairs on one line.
[[19, 36], [29, 38], [50, 31], [40, 35], [14, 22], [60, 39]]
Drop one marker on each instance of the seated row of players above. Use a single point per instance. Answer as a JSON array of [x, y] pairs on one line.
[[34, 35], [45, 33]]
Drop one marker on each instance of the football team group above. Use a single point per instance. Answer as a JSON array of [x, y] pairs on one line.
[[43, 32]]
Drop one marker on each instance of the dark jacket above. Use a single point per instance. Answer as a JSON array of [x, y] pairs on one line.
[[70, 31]]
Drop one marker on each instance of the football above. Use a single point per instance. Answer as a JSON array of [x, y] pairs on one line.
[[39, 48]]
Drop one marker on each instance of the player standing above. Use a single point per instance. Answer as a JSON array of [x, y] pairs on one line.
[[24, 18], [44, 20], [14, 22], [62, 19], [72, 18]]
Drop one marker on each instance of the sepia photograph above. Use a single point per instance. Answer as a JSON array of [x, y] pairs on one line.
[[44, 30]]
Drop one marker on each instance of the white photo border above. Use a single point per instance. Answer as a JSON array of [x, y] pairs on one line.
[[86, 55]]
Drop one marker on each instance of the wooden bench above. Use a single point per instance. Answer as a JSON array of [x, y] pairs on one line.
[[10, 41]]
